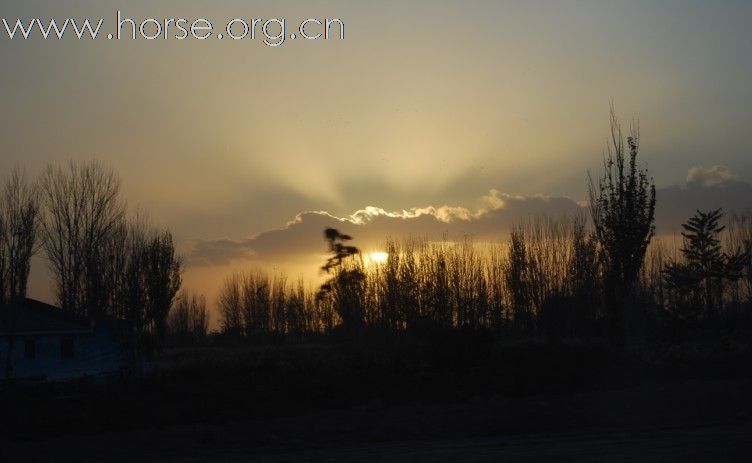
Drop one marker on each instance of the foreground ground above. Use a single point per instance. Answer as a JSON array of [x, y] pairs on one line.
[[691, 421], [319, 404]]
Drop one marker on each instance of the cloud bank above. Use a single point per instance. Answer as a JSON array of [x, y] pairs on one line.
[[490, 219]]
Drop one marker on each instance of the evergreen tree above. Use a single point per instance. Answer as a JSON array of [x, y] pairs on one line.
[[707, 267]]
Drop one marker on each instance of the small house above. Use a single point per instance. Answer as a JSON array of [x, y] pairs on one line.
[[42, 342]]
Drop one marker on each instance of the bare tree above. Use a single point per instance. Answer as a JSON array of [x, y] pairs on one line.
[[82, 208], [517, 279], [3, 260], [103, 264], [622, 206], [188, 321], [19, 211], [256, 302], [141, 274], [231, 306], [19, 226], [161, 270]]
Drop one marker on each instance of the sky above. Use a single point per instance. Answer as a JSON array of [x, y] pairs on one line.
[[430, 117]]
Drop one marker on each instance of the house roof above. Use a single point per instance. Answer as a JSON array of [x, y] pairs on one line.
[[31, 317]]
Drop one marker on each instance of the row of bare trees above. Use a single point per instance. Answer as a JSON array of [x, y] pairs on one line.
[[561, 277], [254, 302], [548, 279], [424, 285], [104, 263], [188, 321]]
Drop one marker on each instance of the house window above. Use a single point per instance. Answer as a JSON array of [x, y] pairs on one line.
[[66, 348], [30, 349]]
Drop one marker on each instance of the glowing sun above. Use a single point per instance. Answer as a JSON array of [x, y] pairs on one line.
[[378, 257]]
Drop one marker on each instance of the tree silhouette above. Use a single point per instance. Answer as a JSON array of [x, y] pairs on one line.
[[622, 206], [188, 321], [103, 264], [162, 270], [19, 226], [518, 281], [583, 265], [82, 208], [231, 306], [344, 288], [707, 266]]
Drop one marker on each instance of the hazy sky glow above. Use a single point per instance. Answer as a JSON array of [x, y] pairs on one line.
[[426, 103]]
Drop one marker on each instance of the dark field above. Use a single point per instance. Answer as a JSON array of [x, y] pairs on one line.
[[460, 396]]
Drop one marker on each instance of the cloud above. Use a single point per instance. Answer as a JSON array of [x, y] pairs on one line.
[[490, 219], [218, 252], [302, 237], [711, 176], [706, 188]]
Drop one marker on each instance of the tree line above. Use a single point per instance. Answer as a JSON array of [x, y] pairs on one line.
[[599, 276], [104, 261], [556, 277]]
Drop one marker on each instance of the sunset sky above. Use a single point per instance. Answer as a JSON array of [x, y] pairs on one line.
[[456, 117]]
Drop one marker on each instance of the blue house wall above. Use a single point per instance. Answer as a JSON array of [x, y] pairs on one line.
[[95, 353]]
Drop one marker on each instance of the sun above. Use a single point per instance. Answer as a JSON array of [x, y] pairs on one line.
[[378, 257]]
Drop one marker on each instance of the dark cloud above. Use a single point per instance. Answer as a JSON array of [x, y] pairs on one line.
[[303, 237], [490, 219], [707, 188], [218, 252]]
